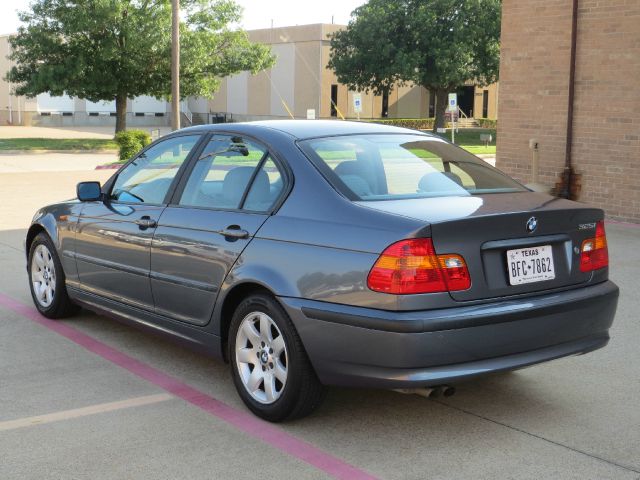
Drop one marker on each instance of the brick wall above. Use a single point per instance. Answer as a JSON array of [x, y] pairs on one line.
[[534, 84]]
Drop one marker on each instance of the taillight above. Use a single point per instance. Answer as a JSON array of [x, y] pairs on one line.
[[412, 266], [594, 253]]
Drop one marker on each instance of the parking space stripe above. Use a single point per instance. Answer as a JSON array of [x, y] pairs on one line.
[[84, 411], [243, 421]]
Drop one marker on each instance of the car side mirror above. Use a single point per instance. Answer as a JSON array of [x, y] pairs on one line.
[[89, 191]]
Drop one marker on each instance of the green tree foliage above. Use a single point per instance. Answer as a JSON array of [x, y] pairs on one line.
[[119, 49], [438, 44], [131, 142]]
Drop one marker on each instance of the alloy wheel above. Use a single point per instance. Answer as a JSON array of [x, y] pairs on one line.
[[43, 276], [261, 357]]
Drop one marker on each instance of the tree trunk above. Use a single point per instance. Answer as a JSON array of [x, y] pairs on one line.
[[121, 112], [442, 99]]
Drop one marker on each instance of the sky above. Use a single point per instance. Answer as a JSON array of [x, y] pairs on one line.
[[257, 13]]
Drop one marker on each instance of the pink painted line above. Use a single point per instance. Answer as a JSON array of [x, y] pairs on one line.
[[243, 421], [109, 166]]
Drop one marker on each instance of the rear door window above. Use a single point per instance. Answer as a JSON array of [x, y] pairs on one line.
[[266, 188], [233, 173]]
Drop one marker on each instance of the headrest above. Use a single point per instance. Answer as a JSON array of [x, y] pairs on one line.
[[356, 184], [355, 175], [440, 182], [235, 182], [259, 197], [351, 167]]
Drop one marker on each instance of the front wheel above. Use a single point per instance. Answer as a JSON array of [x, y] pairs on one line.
[[270, 368], [47, 281]]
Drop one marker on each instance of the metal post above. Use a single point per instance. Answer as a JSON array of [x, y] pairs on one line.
[[10, 102], [175, 65], [453, 128], [568, 173]]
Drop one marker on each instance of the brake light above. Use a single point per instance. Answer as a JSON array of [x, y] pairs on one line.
[[412, 266], [594, 253]]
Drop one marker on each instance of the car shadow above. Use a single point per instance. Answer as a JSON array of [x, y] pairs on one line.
[[344, 409]]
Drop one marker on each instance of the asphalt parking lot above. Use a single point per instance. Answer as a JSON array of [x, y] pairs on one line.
[[91, 398]]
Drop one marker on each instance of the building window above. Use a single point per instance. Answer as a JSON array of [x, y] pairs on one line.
[[485, 104], [432, 104], [385, 104], [334, 100]]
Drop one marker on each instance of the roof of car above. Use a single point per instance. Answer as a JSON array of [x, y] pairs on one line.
[[302, 129]]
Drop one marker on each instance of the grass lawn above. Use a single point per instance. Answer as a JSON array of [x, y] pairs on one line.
[[469, 139], [57, 144]]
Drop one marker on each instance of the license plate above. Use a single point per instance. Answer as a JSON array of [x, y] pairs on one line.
[[529, 265]]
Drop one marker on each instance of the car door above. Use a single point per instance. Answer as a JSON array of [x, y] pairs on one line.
[[113, 237], [219, 206]]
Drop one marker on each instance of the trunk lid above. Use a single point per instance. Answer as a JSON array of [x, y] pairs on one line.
[[483, 228]]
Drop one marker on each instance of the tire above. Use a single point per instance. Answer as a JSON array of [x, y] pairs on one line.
[[47, 280], [259, 359]]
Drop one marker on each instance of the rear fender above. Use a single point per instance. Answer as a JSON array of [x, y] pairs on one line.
[[258, 275]]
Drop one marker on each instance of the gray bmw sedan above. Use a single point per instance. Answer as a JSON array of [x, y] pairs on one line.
[[317, 253]]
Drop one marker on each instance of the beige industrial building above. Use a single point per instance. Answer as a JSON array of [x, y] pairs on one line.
[[300, 82], [298, 85], [603, 131]]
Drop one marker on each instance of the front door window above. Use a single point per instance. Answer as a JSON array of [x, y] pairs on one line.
[[148, 178]]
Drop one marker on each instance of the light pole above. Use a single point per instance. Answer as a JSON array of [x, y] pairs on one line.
[[175, 64]]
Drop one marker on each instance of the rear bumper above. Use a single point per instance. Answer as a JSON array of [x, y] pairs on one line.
[[360, 347]]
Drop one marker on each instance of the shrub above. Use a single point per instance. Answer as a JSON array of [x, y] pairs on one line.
[[131, 142], [415, 123], [487, 123]]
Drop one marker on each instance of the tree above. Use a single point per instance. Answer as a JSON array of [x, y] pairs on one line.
[[119, 49], [438, 44]]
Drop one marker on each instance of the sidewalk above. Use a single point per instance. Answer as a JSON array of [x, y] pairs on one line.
[[54, 162], [67, 132]]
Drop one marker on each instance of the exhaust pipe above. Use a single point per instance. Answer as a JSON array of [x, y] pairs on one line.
[[448, 391], [428, 392]]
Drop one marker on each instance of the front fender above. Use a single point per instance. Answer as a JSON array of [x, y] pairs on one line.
[[58, 222], [43, 221]]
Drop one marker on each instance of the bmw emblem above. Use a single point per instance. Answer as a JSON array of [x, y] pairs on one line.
[[532, 224]]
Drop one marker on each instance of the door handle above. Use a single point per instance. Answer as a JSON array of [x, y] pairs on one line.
[[234, 231], [146, 222]]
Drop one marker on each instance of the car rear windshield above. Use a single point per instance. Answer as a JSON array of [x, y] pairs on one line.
[[391, 167]]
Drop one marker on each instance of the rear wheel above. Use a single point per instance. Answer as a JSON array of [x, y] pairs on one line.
[[270, 368], [47, 280]]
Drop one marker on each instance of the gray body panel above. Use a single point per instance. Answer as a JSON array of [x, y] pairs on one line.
[[353, 346], [112, 252], [190, 259], [314, 252]]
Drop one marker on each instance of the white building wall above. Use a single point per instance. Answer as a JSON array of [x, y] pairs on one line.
[[147, 104], [48, 103], [283, 78], [100, 107], [198, 104], [237, 93]]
